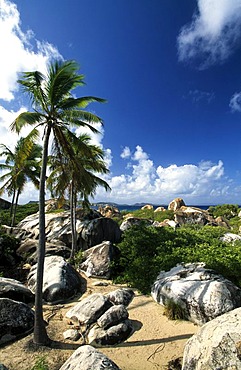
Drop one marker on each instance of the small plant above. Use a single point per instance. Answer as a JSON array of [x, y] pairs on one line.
[[174, 311], [78, 258], [40, 364]]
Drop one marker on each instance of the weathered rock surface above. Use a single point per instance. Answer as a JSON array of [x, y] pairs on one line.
[[121, 296], [113, 316], [115, 334], [60, 282], [175, 204], [134, 221], [2, 367], [97, 260], [192, 215], [98, 230], [88, 358], [201, 293], [13, 289], [109, 211], [216, 345], [230, 238], [16, 319], [28, 250], [89, 310], [91, 229], [71, 334], [148, 207], [160, 209]]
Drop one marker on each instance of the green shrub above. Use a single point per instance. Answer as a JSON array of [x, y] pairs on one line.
[[227, 211], [145, 251], [40, 364], [22, 212]]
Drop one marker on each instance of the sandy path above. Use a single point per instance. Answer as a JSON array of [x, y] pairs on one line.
[[155, 342]]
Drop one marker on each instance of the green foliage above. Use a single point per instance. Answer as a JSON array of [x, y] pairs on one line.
[[145, 251], [151, 215], [40, 364], [227, 211], [78, 258], [22, 212]]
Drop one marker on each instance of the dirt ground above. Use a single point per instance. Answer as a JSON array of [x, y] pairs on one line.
[[155, 342]]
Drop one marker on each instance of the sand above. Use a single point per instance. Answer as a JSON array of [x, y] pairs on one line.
[[156, 341]]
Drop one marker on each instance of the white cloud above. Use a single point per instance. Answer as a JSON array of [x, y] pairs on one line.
[[126, 153], [201, 183], [19, 51], [213, 34], [235, 102]]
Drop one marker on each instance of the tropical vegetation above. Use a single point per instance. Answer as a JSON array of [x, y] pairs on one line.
[[56, 111]]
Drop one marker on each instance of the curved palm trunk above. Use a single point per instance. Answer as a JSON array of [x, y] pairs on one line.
[[73, 219], [40, 333], [15, 209], [12, 204]]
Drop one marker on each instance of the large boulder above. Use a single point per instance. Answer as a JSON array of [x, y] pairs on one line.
[[88, 358], [97, 260], [60, 282], [192, 215], [231, 238], [122, 296], [13, 289], [28, 250], [175, 204], [147, 207], [95, 231], [131, 221], [217, 345], [16, 320], [109, 211], [201, 294], [115, 334], [114, 315], [89, 310], [91, 228]]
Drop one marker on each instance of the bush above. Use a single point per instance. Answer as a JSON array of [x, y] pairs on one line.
[[145, 251], [227, 211], [40, 364], [22, 212]]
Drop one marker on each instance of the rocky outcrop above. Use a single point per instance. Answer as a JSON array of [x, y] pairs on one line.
[[60, 282], [13, 289], [96, 231], [122, 296], [88, 358], [116, 334], [134, 221], [217, 345], [176, 204], [28, 250], [102, 321], [192, 215], [202, 294], [109, 211], [160, 209], [91, 229], [4, 204], [230, 238], [89, 310], [147, 207], [97, 260], [16, 320]]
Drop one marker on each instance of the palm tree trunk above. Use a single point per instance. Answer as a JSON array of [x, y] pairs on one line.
[[12, 204], [73, 219], [40, 333], [15, 209]]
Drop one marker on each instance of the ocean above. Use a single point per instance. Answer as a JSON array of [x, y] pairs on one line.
[[134, 207]]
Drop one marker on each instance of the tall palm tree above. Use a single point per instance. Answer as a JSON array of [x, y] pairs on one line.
[[78, 177], [22, 164], [55, 109]]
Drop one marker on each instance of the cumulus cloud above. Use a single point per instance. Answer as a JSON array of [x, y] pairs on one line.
[[20, 51], [213, 34], [203, 182], [235, 102], [126, 153]]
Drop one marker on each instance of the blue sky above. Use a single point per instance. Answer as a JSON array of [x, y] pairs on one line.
[[171, 72]]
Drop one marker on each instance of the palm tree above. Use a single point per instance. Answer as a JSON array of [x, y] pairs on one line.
[[56, 110], [23, 164], [78, 177]]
